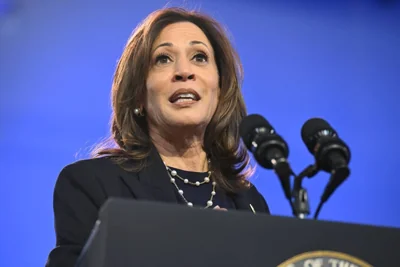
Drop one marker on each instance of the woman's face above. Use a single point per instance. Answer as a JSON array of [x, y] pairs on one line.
[[183, 83]]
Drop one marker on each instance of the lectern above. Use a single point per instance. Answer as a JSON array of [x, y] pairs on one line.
[[148, 234]]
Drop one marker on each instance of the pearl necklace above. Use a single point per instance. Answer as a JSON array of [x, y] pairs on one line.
[[172, 174]]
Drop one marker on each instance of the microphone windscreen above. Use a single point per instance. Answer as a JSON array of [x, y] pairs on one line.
[[312, 128], [248, 124]]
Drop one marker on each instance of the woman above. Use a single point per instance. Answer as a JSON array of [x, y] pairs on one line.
[[177, 106]]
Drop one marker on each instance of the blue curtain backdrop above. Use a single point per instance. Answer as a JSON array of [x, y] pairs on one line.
[[338, 60]]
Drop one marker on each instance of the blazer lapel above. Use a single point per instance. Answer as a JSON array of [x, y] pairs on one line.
[[152, 183], [155, 179]]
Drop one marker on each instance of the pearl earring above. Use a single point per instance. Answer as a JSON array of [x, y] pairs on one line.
[[138, 112]]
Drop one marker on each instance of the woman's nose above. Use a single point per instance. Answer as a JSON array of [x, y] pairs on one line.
[[184, 76], [183, 72]]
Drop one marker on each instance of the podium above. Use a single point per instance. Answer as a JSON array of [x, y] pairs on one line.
[[146, 234]]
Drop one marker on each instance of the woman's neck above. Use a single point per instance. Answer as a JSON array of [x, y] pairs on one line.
[[181, 152]]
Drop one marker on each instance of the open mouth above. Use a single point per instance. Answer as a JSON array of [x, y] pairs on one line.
[[184, 95]]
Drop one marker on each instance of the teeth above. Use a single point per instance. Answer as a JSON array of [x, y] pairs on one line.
[[189, 95], [184, 97], [180, 100]]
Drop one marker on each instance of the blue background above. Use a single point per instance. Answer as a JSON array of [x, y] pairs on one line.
[[339, 60]]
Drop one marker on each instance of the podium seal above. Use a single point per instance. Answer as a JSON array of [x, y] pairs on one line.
[[324, 258]]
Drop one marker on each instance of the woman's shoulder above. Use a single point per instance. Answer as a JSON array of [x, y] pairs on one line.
[[86, 172], [94, 178], [89, 165]]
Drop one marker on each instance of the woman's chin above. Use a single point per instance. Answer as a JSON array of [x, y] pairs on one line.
[[190, 122]]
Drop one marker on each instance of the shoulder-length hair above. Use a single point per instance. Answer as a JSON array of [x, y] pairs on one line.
[[229, 158]]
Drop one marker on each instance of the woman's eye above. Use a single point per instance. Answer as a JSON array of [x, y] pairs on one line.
[[162, 59], [200, 57]]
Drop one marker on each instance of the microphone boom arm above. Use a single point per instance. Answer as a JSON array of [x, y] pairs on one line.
[[301, 206]]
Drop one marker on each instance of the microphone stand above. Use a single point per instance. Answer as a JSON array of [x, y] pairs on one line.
[[301, 204]]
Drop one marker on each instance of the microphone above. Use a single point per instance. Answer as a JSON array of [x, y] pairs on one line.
[[331, 154], [268, 148]]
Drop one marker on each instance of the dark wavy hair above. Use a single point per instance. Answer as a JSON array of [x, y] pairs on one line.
[[130, 138]]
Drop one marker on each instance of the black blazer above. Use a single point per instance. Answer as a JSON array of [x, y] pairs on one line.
[[83, 187]]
